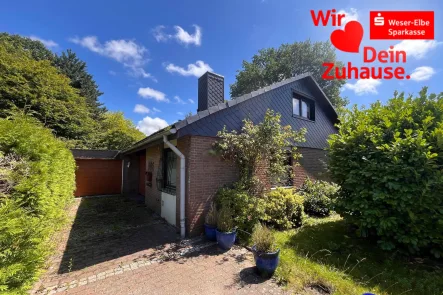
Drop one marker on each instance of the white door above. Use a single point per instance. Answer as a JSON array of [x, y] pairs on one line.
[[168, 208]]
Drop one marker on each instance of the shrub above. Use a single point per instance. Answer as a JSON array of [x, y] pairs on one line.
[[211, 216], [263, 239], [318, 196], [37, 180], [225, 221], [283, 209], [246, 209], [387, 160]]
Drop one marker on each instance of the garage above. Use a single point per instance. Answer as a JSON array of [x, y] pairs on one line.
[[99, 172]]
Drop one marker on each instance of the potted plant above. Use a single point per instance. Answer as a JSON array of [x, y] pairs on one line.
[[266, 256], [211, 223], [226, 232]]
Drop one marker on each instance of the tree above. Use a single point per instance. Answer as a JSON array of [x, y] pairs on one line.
[[116, 132], [276, 64], [388, 161], [68, 64], [37, 88], [36, 49], [265, 142], [76, 70]]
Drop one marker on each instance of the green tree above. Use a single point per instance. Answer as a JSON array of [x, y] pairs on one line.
[[76, 70], [276, 64], [37, 50], [38, 88], [266, 142], [388, 161], [116, 132], [68, 64]]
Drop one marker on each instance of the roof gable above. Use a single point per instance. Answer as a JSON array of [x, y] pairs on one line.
[[277, 97]]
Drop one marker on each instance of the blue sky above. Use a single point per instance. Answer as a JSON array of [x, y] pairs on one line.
[[149, 53]]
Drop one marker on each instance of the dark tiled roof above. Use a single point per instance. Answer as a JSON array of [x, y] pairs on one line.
[[94, 154], [277, 97]]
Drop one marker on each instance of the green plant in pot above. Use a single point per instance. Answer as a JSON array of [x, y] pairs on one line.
[[226, 232], [266, 255], [211, 223]]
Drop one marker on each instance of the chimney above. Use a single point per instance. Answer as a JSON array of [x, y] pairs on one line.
[[211, 90]]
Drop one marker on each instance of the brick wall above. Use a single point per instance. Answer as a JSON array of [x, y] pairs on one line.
[[205, 173], [312, 165]]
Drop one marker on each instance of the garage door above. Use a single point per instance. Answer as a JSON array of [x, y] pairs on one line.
[[98, 177]]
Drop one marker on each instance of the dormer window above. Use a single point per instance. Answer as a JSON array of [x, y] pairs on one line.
[[303, 107]]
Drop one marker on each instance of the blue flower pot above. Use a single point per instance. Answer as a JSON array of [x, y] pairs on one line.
[[210, 232], [266, 262], [226, 240]]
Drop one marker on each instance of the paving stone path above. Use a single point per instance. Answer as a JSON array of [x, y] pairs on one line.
[[137, 253]]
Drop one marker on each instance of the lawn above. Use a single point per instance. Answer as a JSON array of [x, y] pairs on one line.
[[325, 255]]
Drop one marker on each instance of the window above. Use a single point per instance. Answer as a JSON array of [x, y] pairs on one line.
[[170, 170], [303, 107]]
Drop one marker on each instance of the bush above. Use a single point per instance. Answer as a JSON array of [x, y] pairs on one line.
[[283, 209], [318, 197], [246, 210], [225, 220], [211, 216], [263, 239], [37, 180], [387, 160]]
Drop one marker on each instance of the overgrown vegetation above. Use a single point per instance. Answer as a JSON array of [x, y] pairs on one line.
[[258, 145], [60, 93], [325, 257], [37, 180], [318, 197], [283, 209], [225, 220], [387, 160]]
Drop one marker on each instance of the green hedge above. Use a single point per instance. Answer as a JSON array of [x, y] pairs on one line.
[[388, 162], [36, 185]]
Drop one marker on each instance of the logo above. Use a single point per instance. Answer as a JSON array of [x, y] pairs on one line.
[[382, 24]]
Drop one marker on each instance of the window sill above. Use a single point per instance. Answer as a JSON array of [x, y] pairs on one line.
[[276, 187], [303, 118]]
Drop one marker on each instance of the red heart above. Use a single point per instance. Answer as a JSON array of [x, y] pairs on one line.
[[349, 39]]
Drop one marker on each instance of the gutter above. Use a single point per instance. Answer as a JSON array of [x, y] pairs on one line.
[[182, 183]]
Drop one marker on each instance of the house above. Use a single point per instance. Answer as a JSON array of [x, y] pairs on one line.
[[174, 169]]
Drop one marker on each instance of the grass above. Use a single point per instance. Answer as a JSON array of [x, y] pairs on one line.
[[325, 254]]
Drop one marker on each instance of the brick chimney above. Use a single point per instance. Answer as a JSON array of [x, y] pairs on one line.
[[211, 90]]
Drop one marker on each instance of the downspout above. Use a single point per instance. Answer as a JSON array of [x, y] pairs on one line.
[[182, 185]]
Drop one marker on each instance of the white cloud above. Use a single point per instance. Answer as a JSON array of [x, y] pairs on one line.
[[180, 113], [180, 35], [422, 73], [152, 93], [184, 37], [160, 35], [197, 69], [150, 125], [352, 14], [47, 43], [191, 101], [179, 100], [364, 86], [155, 110], [112, 73], [141, 109], [126, 52], [417, 48]]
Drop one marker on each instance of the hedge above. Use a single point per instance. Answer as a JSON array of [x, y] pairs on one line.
[[37, 181], [388, 162]]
